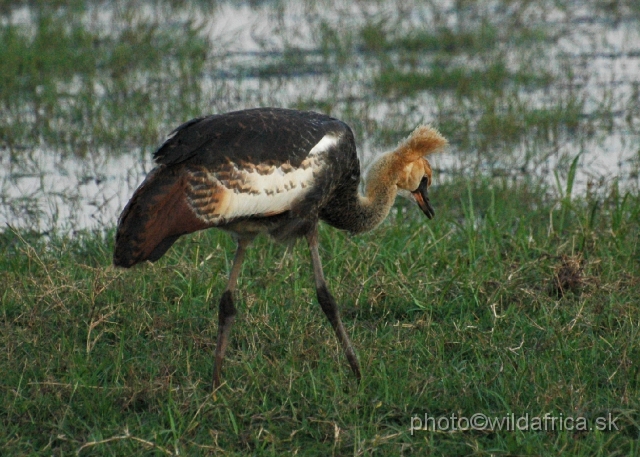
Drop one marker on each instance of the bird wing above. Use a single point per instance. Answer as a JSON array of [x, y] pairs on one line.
[[219, 169], [258, 136], [256, 162], [242, 189]]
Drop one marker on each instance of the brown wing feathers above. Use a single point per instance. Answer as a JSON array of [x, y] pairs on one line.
[[157, 214]]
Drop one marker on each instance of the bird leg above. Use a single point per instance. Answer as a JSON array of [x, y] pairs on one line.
[[329, 306], [227, 311]]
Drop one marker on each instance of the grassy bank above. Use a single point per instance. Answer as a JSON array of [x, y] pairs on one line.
[[510, 301]]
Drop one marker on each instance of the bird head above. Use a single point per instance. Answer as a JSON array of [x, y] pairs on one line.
[[414, 171], [417, 179]]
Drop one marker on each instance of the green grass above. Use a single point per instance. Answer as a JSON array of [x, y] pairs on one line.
[[510, 301], [376, 37], [462, 80]]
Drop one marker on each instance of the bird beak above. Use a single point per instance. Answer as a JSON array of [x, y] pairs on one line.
[[420, 194]]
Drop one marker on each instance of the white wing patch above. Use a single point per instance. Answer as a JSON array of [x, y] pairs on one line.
[[247, 189]]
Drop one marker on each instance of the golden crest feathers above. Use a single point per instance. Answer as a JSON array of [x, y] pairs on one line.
[[424, 140]]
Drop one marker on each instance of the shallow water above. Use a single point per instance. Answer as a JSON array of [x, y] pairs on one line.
[[44, 188]]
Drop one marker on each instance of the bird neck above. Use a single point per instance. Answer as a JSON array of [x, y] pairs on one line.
[[379, 192], [365, 212]]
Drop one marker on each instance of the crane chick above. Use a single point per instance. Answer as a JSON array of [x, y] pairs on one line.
[[268, 170]]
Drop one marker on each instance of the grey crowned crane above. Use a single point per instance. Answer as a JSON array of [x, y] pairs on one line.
[[274, 171]]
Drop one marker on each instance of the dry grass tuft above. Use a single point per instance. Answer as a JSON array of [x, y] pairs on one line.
[[568, 276]]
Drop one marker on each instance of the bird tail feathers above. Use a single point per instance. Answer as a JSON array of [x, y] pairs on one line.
[[155, 217]]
